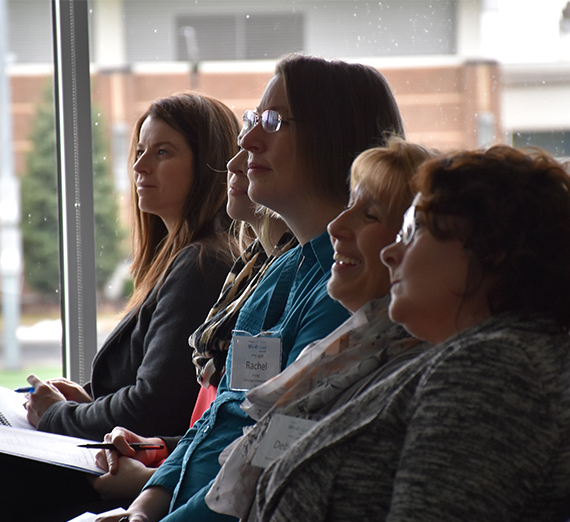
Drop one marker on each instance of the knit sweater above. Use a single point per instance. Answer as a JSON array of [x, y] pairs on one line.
[[476, 428]]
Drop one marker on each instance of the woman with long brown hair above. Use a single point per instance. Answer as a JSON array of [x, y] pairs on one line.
[[143, 377]]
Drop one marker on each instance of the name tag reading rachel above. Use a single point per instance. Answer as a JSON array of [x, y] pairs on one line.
[[254, 360], [281, 433]]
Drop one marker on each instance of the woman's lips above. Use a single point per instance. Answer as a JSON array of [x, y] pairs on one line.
[[343, 259], [144, 187], [236, 190], [255, 168]]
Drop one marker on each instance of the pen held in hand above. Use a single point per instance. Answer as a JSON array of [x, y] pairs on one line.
[[25, 389], [135, 445]]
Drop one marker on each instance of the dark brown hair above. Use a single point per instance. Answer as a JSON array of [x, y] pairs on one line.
[[514, 217], [340, 109], [210, 128]]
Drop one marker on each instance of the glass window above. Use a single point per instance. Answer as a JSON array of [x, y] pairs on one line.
[[464, 74], [31, 319], [260, 36], [555, 142]]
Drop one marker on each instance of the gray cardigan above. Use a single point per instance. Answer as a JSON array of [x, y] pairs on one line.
[[475, 429], [143, 377]]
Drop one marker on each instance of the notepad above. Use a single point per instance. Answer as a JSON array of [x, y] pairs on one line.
[[59, 450], [12, 411], [20, 438]]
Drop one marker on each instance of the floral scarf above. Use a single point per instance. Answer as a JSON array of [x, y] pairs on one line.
[[325, 376]]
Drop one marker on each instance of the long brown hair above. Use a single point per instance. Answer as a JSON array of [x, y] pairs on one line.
[[210, 128]]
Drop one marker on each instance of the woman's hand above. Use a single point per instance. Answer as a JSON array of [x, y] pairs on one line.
[[70, 390], [127, 482], [109, 460], [150, 506], [43, 397]]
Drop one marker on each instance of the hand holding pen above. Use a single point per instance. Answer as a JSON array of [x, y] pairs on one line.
[[40, 399], [122, 441]]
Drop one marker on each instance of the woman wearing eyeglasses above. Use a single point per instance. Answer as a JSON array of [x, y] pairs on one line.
[[475, 428], [301, 141], [363, 350]]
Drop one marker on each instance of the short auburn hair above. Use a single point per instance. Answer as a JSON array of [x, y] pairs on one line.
[[514, 210]]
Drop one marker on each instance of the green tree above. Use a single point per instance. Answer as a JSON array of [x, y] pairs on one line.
[[40, 207]]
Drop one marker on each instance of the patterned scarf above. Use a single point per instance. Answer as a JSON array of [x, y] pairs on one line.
[[211, 340], [325, 376]]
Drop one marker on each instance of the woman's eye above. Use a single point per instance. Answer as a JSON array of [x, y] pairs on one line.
[[373, 213], [139, 153], [161, 152]]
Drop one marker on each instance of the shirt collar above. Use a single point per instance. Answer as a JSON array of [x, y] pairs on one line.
[[320, 249]]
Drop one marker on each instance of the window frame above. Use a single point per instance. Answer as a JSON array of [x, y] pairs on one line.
[[72, 97]]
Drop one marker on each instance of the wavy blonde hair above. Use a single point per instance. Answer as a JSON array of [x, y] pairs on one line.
[[387, 173]]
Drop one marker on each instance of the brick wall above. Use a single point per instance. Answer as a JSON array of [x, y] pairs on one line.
[[440, 104]]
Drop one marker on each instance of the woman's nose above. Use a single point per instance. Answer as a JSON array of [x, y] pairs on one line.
[[391, 255], [340, 227], [141, 164], [254, 140], [238, 164]]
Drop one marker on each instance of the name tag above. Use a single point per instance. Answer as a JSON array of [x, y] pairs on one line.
[[254, 361], [281, 433]]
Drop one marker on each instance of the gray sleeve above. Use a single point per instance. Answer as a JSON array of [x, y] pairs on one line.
[[479, 440], [171, 442]]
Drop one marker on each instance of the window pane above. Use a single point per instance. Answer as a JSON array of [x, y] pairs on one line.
[[555, 142], [257, 36], [464, 74], [31, 151]]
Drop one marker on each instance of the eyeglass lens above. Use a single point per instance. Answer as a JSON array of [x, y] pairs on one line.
[[270, 121], [408, 229]]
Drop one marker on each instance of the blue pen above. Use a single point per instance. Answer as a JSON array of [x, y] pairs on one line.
[[25, 389]]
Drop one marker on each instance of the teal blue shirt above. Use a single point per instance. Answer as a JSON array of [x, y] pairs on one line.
[[290, 302]]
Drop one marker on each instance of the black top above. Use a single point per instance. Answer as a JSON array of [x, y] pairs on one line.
[[143, 378]]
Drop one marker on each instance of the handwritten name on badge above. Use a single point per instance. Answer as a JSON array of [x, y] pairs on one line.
[[254, 360], [281, 433]]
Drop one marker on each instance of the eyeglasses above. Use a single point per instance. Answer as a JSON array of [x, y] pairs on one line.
[[270, 121], [409, 224]]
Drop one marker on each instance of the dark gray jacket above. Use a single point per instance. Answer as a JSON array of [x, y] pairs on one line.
[[476, 429], [143, 378]]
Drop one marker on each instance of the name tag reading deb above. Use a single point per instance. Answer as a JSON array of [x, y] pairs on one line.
[[281, 433], [254, 361]]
